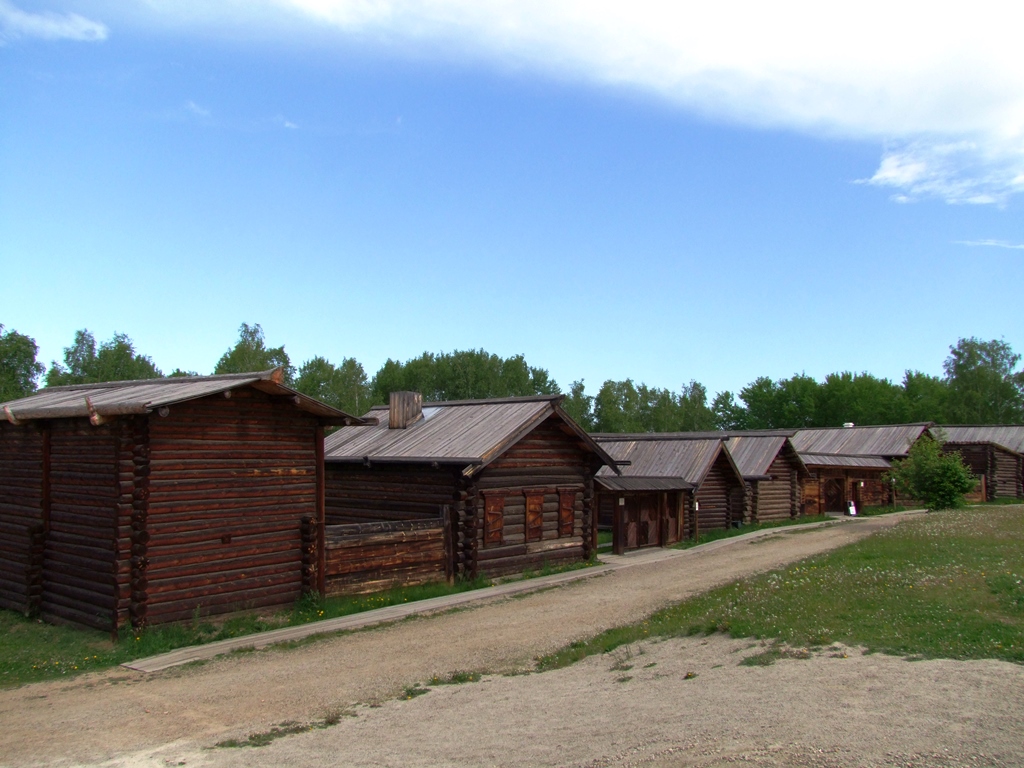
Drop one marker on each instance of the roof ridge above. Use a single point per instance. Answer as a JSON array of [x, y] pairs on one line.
[[256, 375]]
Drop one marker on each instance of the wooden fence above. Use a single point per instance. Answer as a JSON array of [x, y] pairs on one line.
[[369, 557]]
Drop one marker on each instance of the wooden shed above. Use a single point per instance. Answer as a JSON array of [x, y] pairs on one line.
[[487, 487], [673, 486], [142, 502], [994, 452], [773, 473], [846, 464]]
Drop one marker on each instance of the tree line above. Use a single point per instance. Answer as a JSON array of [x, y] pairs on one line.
[[981, 384]]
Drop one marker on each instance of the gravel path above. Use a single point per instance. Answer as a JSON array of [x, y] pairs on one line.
[[824, 711]]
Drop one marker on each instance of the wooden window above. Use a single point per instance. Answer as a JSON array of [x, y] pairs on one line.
[[494, 519], [534, 515], [566, 511]]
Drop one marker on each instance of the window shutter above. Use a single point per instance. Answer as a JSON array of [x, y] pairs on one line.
[[494, 519], [534, 516], [566, 511]]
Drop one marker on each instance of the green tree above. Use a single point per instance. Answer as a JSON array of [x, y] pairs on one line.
[[617, 408], [938, 479], [19, 369], [857, 397], [694, 415], [784, 404], [115, 360], [344, 386], [923, 398], [580, 406], [462, 375], [622, 406], [984, 387], [727, 413], [251, 354]]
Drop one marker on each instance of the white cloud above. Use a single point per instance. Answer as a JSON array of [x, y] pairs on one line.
[[16, 23], [915, 76], [977, 172], [992, 244], [197, 110]]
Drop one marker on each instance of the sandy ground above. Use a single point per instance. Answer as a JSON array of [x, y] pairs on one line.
[[679, 703]]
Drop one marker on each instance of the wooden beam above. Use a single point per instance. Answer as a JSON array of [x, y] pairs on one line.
[[94, 417]]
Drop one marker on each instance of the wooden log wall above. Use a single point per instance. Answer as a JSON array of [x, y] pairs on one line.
[[230, 482], [1006, 475], [370, 557], [720, 492], [550, 464], [775, 500], [874, 492], [132, 524], [358, 494], [80, 560], [21, 513], [1000, 469], [749, 502]]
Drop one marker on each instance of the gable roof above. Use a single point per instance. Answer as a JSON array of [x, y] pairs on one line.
[[471, 433], [886, 441], [1008, 436], [754, 454], [660, 461], [125, 398]]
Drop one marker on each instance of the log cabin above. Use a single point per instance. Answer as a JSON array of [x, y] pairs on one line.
[[994, 452], [846, 464], [143, 502], [507, 482], [673, 487]]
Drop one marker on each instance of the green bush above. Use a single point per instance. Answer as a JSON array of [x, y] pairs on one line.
[[937, 479]]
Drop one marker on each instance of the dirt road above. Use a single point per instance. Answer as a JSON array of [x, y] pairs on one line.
[[868, 710]]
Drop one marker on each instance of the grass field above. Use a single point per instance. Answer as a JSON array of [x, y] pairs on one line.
[[945, 585]]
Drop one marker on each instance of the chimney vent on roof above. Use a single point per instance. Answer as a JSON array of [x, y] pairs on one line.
[[405, 409], [848, 425]]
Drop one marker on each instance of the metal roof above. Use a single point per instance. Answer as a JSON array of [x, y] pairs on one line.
[[838, 460], [470, 433], [123, 398], [677, 463], [891, 440], [1006, 436]]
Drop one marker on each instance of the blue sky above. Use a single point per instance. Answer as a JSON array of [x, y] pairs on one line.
[[658, 191]]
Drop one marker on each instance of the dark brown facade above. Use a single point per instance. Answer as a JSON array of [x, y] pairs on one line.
[[830, 489], [641, 519], [674, 487], [1001, 468], [525, 502], [145, 518]]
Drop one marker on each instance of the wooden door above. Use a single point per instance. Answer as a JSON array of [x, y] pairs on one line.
[[834, 496], [631, 518]]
